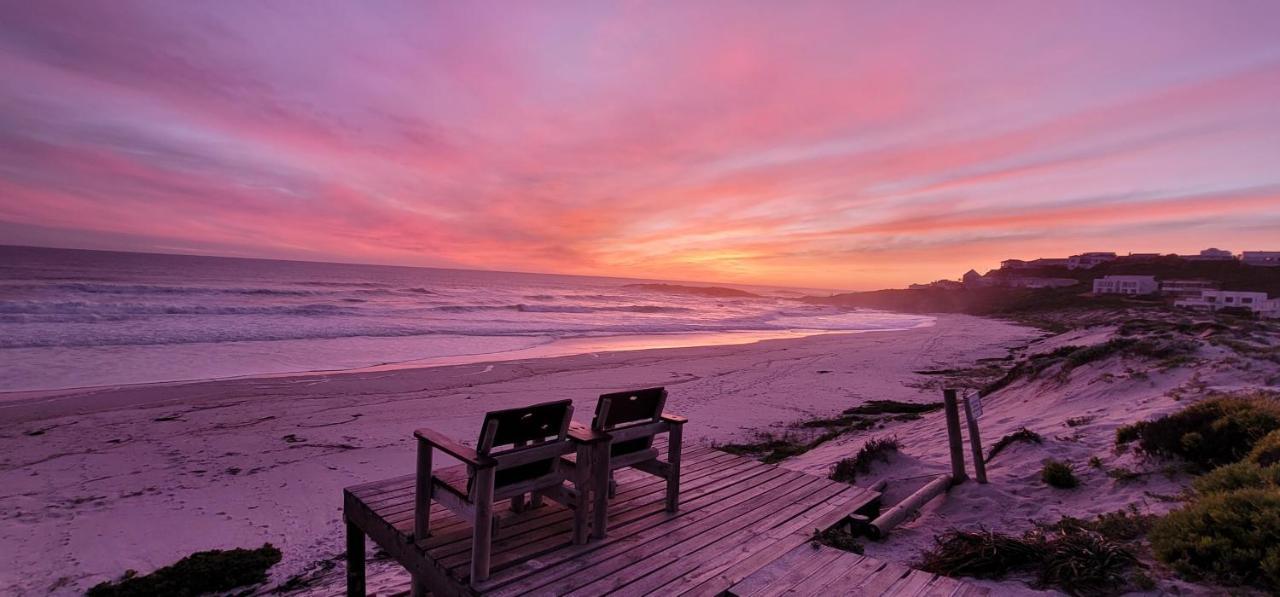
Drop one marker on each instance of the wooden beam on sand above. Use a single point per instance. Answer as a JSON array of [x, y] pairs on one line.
[[887, 521]]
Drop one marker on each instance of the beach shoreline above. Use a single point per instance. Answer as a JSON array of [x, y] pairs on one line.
[[97, 476]]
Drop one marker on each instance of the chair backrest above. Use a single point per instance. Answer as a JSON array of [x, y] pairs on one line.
[[525, 426], [622, 409], [507, 431]]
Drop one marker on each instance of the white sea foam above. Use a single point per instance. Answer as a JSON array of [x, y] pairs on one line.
[[63, 313]]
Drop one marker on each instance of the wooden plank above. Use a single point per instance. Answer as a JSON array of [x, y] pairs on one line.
[[650, 573], [743, 469], [745, 555], [847, 571], [631, 562], [879, 583], [911, 583], [770, 573], [626, 509], [653, 527], [642, 530], [803, 570]]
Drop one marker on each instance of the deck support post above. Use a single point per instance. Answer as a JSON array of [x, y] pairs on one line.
[[482, 534], [355, 560], [600, 489], [582, 487], [422, 494], [674, 436], [952, 407]]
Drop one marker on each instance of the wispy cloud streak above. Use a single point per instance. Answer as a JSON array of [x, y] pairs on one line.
[[830, 144]]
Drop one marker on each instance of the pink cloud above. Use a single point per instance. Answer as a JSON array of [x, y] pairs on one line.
[[717, 141]]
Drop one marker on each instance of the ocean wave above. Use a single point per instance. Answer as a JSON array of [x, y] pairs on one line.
[[145, 289], [527, 308], [133, 309]]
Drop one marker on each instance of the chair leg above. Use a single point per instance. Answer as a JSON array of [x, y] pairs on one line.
[[355, 561], [419, 588], [613, 486], [582, 493], [535, 500], [517, 504], [600, 490]]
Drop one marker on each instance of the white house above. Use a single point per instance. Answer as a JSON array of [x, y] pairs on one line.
[[1125, 285], [1186, 288], [1222, 299], [1210, 254], [1261, 258], [1089, 260], [1035, 282]]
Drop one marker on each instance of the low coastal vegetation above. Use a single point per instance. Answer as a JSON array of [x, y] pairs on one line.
[[1080, 557], [1059, 474], [848, 469], [773, 447], [1021, 435], [1219, 430], [201, 573], [1168, 352], [1226, 532]]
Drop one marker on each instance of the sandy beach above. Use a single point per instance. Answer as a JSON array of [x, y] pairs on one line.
[[105, 480]]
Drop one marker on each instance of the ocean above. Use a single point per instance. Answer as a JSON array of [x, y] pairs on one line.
[[72, 318]]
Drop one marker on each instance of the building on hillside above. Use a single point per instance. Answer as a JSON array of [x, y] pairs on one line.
[[1261, 258], [973, 279], [939, 284], [1222, 299], [1140, 257], [1037, 282], [1048, 262], [1013, 264], [1089, 260], [1135, 285], [1211, 254], [1186, 288]]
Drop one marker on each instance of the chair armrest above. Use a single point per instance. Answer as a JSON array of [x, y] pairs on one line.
[[457, 450], [582, 434], [674, 419]]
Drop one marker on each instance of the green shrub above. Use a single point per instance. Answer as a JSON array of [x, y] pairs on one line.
[[1121, 525], [847, 470], [1021, 435], [1064, 555], [1059, 474], [1266, 451], [1210, 433], [838, 537], [979, 553], [1240, 475], [200, 573], [1083, 562], [1229, 537]]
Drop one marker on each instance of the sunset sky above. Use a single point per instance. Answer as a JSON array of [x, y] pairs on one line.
[[835, 145]]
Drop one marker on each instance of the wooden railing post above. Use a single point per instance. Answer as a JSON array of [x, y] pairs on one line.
[[422, 497], [952, 407]]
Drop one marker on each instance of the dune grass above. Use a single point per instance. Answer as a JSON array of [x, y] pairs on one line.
[[201, 573]]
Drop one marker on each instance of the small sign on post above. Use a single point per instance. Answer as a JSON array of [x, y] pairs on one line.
[[973, 410]]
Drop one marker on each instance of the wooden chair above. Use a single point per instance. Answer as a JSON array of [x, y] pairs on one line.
[[519, 452], [628, 422]]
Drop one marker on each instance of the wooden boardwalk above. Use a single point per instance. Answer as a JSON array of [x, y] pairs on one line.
[[738, 518]]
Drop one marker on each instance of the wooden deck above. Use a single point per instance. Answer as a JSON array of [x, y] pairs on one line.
[[738, 519]]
